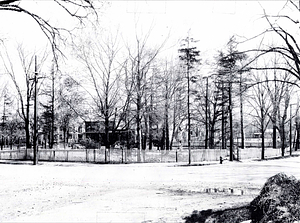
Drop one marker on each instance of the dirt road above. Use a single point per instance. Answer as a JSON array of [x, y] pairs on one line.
[[75, 192]]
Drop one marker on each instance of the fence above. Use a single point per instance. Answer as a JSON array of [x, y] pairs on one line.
[[114, 155], [132, 156], [255, 153]]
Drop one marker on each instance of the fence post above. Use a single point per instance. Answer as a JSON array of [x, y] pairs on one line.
[[176, 153], [94, 155], [122, 155], [86, 155]]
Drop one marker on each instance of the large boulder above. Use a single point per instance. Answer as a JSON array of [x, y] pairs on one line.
[[232, 215], [278, 201]]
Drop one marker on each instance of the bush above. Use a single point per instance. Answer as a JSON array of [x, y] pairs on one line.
[[89, 144]]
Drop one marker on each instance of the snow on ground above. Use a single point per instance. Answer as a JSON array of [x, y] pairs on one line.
[[81, 192]]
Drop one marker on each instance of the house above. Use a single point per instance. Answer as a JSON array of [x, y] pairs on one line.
[[95, 130]]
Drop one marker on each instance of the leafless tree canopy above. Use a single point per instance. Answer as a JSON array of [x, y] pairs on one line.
[[78, 9]]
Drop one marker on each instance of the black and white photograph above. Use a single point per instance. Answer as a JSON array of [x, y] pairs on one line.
[[150, 111]]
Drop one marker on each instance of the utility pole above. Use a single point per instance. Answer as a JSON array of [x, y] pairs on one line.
[[188, 104], [241, 113], [52, 109], [206, 114], [35, 147], [230, 121]]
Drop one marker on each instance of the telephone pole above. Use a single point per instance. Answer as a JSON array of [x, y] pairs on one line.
[[35, 146], [52, 109], [206, 114]]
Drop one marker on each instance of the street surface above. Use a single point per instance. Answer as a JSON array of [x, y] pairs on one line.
[[82, 192]]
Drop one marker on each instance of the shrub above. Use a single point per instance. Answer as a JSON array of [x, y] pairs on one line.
[[89, 144]]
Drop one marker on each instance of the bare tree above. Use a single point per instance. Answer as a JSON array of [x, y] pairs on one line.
[[140, 60], [282, 116], [209, 107], [259, 101], [163, 89], [100, 59], [24, 85], [280, 92], [69, 106], [230, 68], [79, 10], [284, 46], [178, 103]]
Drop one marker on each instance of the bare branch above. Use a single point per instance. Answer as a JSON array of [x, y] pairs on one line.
[[51, 32]]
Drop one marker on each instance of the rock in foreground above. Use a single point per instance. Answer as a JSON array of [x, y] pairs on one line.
[[278, 201]]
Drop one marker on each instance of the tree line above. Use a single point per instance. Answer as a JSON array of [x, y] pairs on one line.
[[159, 101]]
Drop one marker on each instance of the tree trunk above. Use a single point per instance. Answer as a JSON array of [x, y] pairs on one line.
[[275, 113], [167, 137], [212, 136], [262, 127], [242, 115], [151, 121], [223, 118], [106, 124], [52, 113], [145, 133], [206, 115], [174, 120], [189, 114], [167, 134], [263, 145], [298, 137], [127, 127], [274, 133], [283, 141], [27, 124], [231, 124], [64, 132], [138, 127], [27, 134]]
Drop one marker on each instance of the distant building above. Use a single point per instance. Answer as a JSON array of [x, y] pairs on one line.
[[95, 130]]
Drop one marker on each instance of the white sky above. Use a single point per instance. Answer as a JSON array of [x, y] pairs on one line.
[[210, 22]]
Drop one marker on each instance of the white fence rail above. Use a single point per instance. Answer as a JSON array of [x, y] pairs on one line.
[[132, 156], [114, 155]]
